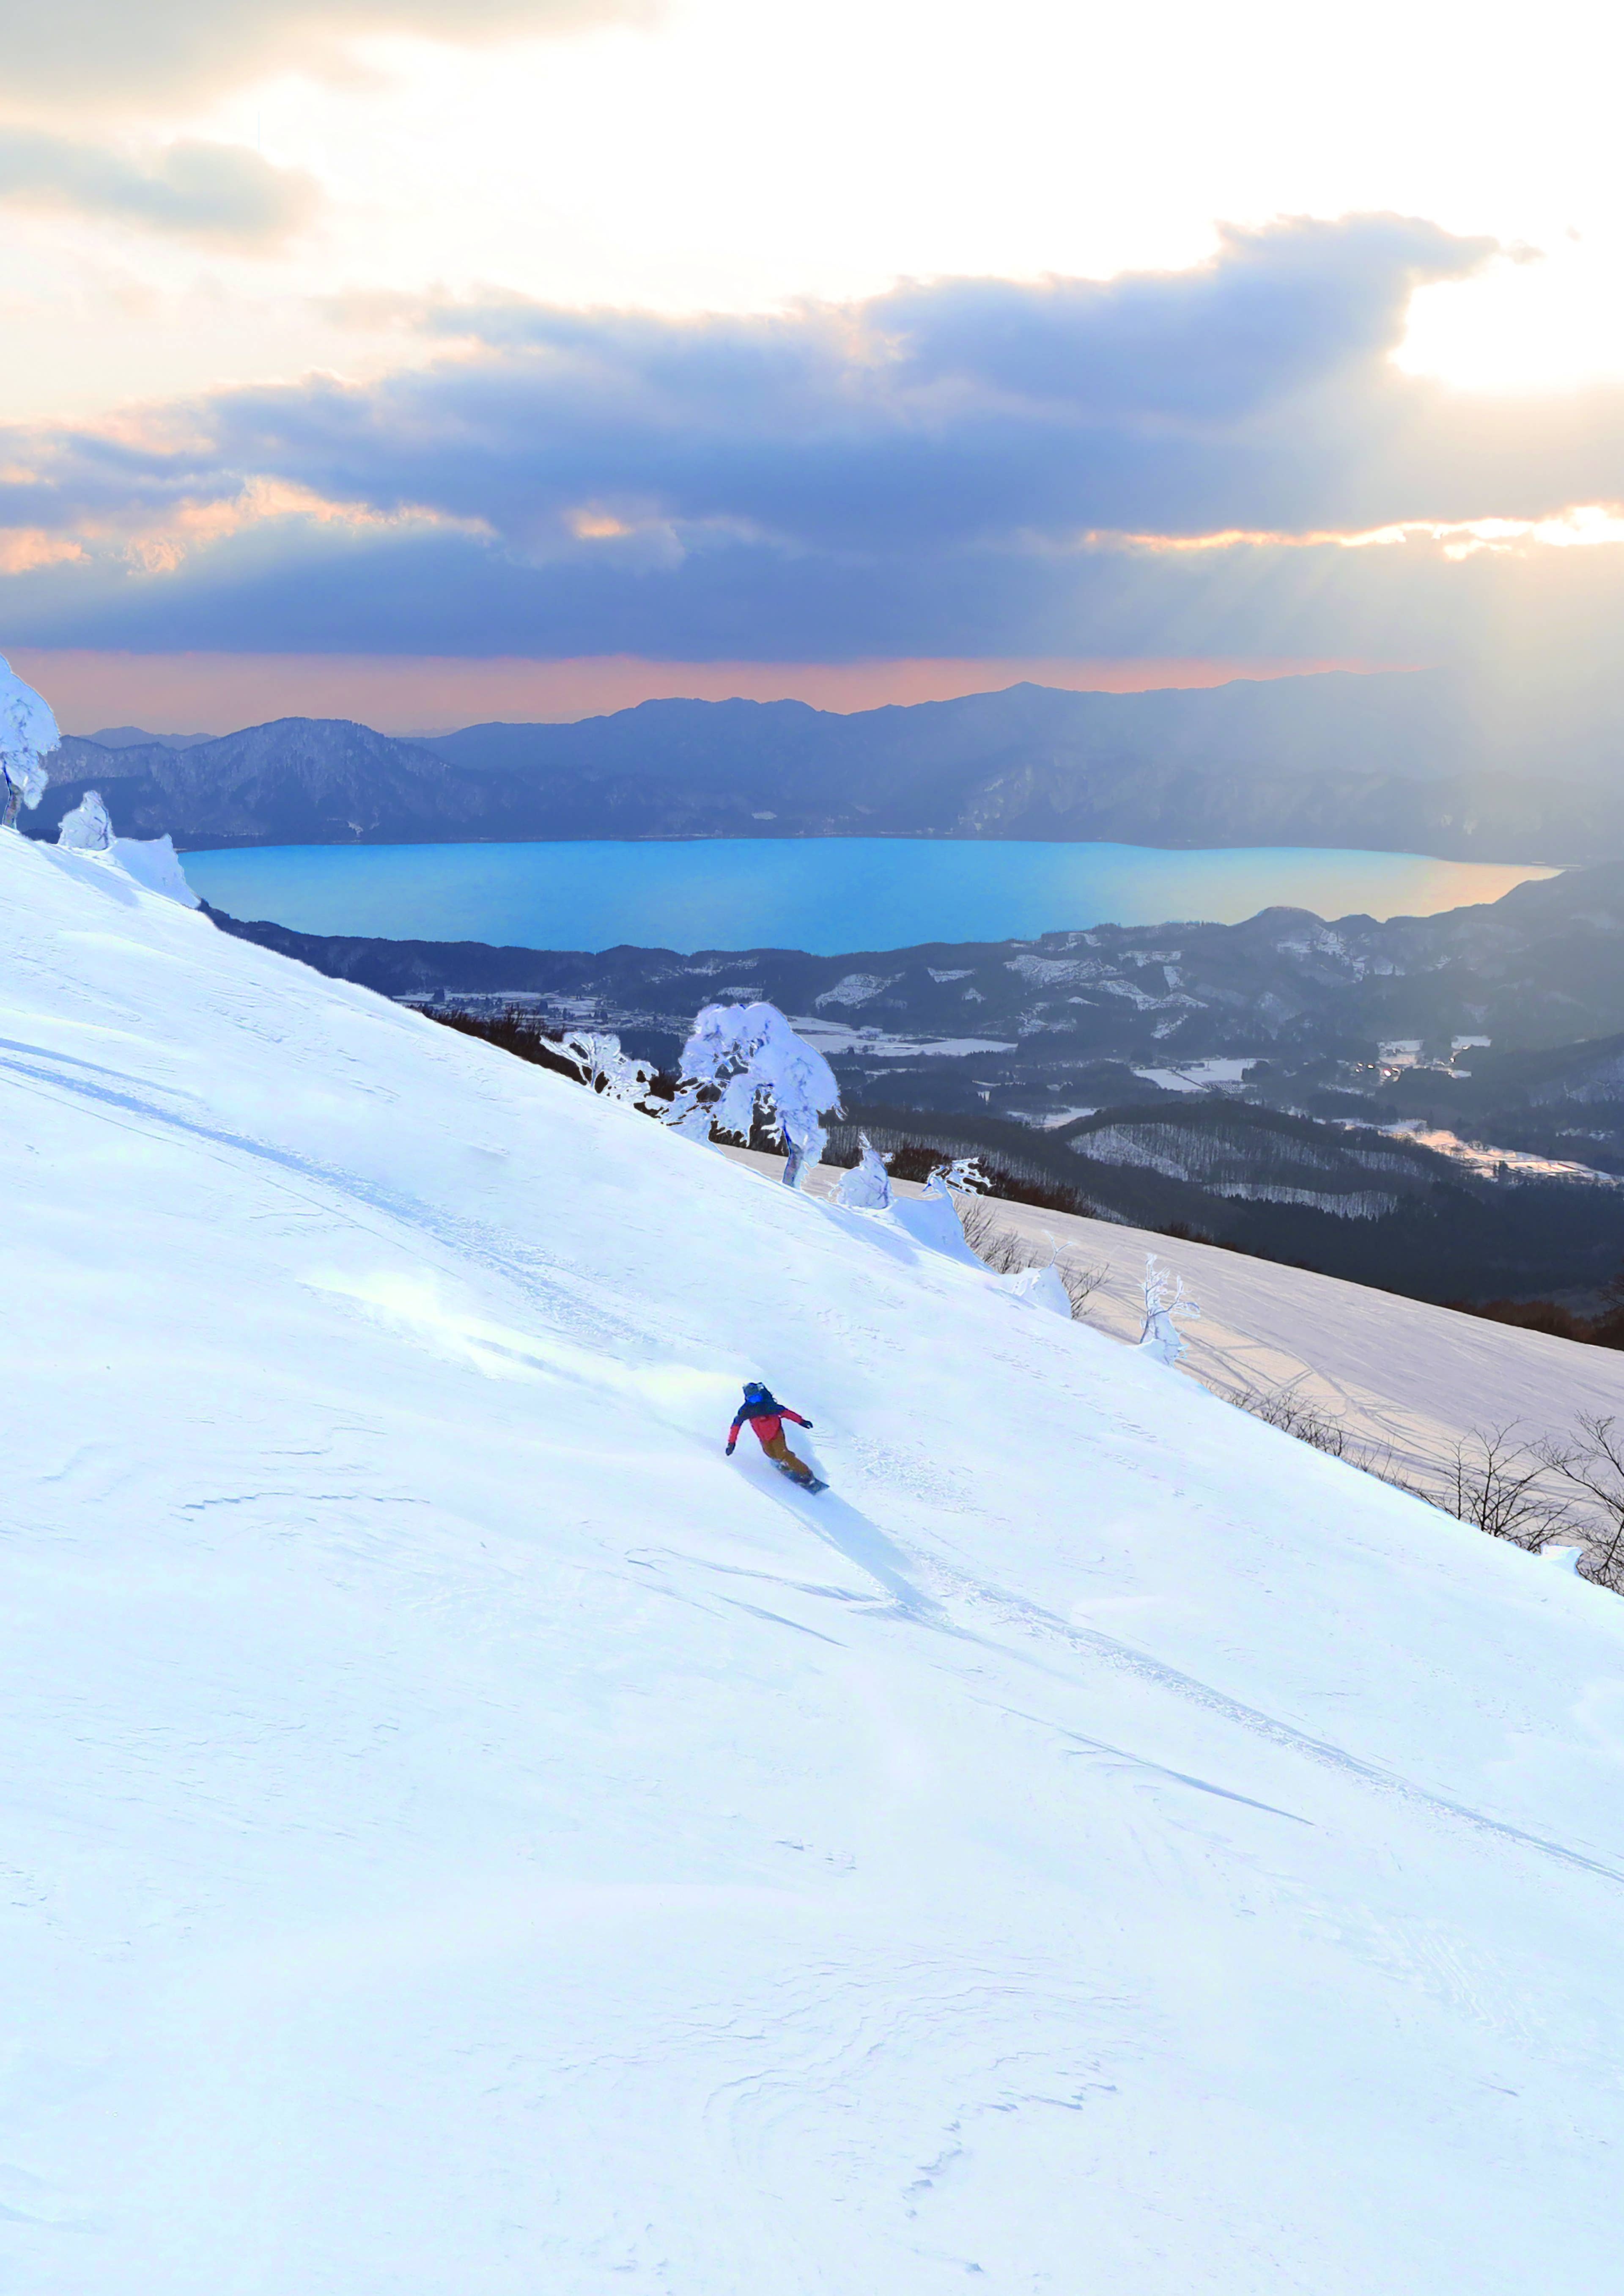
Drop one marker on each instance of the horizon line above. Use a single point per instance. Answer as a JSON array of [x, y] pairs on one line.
[[94, 690]]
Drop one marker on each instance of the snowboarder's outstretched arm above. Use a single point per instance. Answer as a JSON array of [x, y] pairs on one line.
[[739, 1418], [784, 1414]]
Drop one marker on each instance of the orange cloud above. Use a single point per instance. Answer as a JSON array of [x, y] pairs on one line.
[[24, 548], [1585, 525]]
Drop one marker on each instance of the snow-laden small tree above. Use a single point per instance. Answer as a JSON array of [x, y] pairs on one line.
[[28, 733], [933, 1220], [867, 1186], [1164, 1301], [604, 1068], [691, 1124], [750, 1053], [964, 1172], [87, 828]]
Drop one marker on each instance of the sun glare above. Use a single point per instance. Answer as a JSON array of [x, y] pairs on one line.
[[1550, 321]]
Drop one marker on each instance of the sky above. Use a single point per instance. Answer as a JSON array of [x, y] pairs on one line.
[[528, 356]]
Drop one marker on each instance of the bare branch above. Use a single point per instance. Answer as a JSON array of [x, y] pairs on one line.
[[1499, 1484], [1009, 1254], [1593, 1467], [1284, 1408], [1081, 1283]]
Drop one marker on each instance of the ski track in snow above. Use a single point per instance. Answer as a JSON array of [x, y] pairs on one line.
[[465, 1833]]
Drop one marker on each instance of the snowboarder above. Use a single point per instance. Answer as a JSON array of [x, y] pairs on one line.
[[767, 1417]]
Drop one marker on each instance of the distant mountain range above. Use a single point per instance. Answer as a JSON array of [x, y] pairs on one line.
[[1392, 762], [137, 737]]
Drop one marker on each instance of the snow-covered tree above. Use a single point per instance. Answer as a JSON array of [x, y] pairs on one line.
[[87, 828], [752, 1057], [606, 1069], [1165, 1300], [28, 733], [933, 1219], [963, 1172], [1041, 1286], [688, 1120], [867, 1187]]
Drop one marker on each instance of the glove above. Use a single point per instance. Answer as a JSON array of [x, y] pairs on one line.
[[729, 1451]]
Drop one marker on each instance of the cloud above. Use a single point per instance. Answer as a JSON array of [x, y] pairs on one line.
[[217, 192], [1174, 462], [80, 51], [1253, 392], [410, 587], [1273, 311]]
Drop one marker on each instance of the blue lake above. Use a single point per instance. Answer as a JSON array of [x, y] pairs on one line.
[[826, 895]]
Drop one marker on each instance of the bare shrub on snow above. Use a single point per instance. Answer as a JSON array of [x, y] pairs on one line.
[[1592, 1469], [1009, 1254], [1285, 1408], [1082, 1282], [1003, 1252], [1500, 1486]]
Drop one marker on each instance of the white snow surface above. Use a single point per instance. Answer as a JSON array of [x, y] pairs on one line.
[[1408, 1381], [87, 833], [832, 1037], [1200, 1076], [464, 1834], [1040, 1287], [153, 862]]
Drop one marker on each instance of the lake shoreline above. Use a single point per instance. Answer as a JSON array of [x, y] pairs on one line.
[[819, 894]]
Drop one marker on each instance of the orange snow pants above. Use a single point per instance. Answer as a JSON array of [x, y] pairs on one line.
[[779, 1452]]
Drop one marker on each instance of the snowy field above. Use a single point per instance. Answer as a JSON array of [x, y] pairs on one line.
[[1407, 1380], [464, 1834]]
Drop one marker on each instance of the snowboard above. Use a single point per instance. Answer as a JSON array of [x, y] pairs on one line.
[[801, 1482]]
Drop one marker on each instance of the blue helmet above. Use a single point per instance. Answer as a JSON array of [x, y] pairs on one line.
[[753, 1389]]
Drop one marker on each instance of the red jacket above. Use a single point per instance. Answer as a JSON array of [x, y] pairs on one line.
[[767, 1424]]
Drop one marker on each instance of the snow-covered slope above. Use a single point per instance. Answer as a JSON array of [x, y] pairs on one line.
[[1404, 1381], [464, 1834]]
